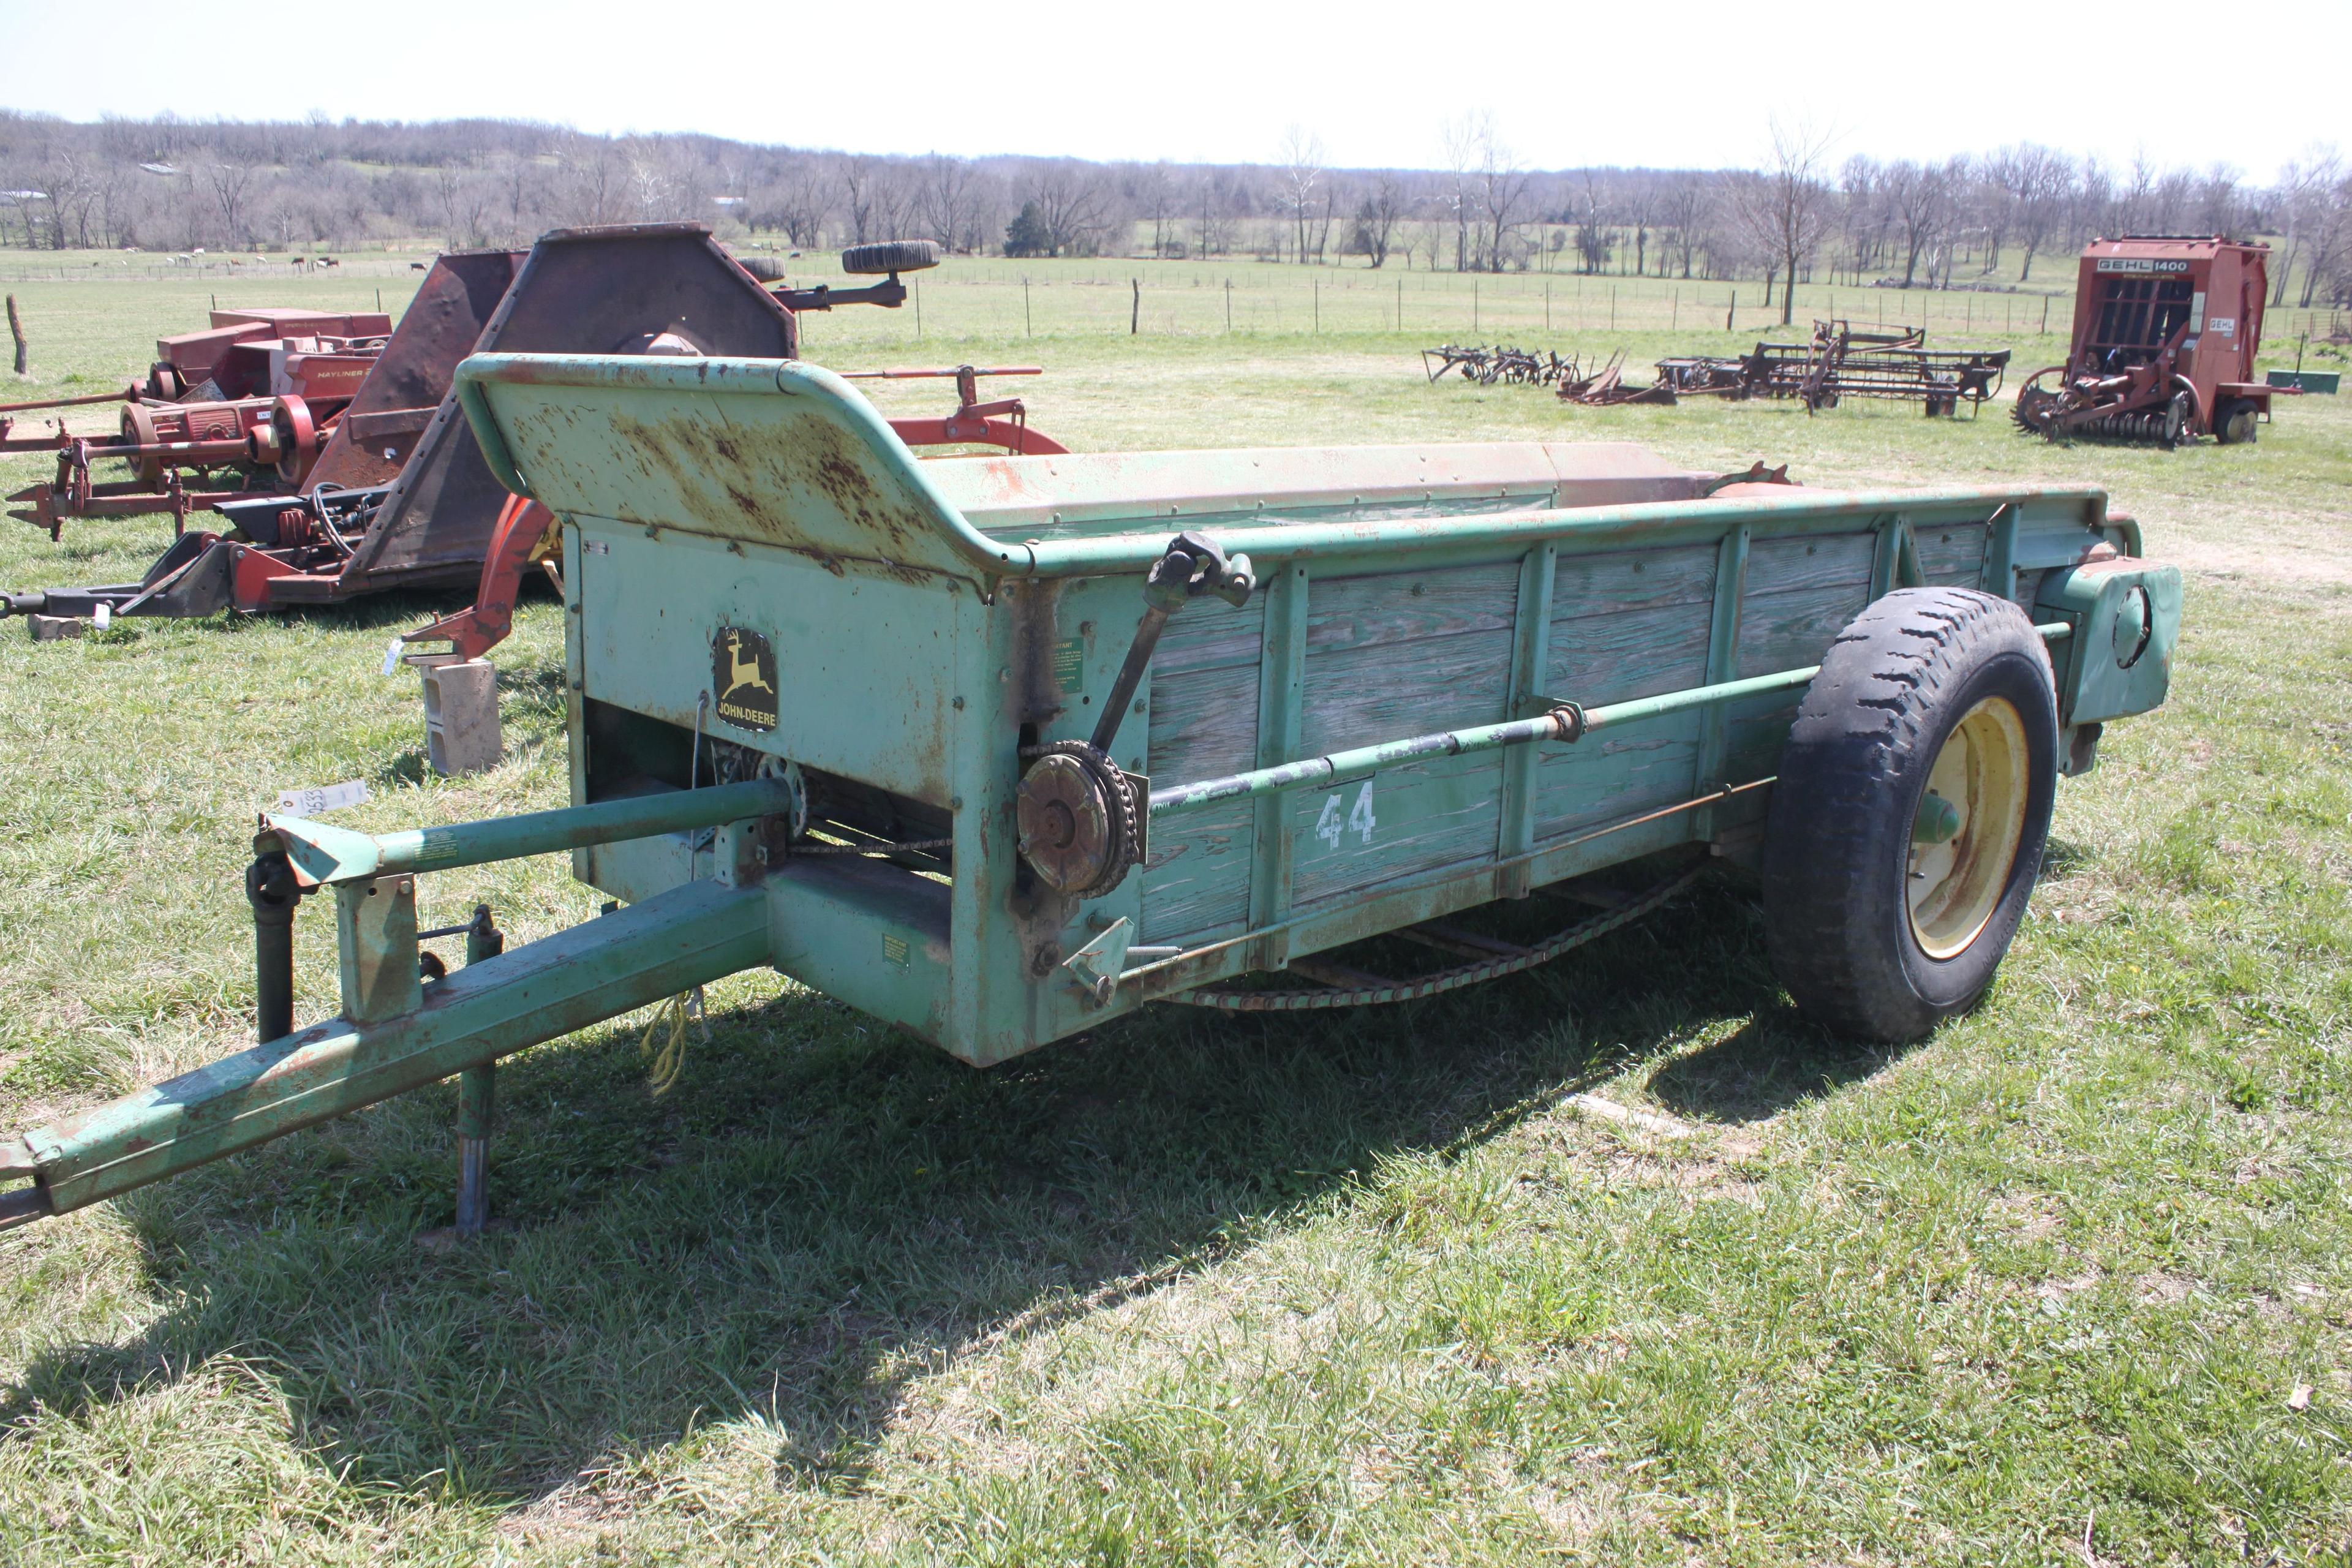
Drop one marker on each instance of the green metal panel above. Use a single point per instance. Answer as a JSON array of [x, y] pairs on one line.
[[2126, 621], [864, 668], [1282, 695], [1530, 665], [1724, 624], [774, 452], [575, 718], [870, 934]]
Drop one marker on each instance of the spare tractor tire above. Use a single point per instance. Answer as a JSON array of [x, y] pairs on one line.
[[891, 256], [1907, 827]]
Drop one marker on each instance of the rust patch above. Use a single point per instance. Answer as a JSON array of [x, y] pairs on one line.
[[746, 479]]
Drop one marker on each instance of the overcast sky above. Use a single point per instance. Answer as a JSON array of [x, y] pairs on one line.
[[1570, 82]]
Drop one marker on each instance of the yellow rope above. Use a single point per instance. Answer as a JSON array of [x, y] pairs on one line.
[[669, 1058]]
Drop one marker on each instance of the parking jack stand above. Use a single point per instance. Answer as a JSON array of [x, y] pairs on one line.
[[270, 888], [476, 1089]]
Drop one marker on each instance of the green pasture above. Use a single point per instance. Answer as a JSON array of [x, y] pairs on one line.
[[2070, 1282]]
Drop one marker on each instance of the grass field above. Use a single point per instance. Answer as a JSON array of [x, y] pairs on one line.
[[2068, 1283]]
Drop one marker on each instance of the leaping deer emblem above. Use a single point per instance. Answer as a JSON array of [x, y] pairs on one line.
[[743, 672]]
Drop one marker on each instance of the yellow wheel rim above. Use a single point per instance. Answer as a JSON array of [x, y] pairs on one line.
[[1956, 877]]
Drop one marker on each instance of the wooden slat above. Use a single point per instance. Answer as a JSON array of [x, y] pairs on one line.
[[1600, 659], [1208, 633], [1951, 554], [1203, 724], [1809, 562], [1410, 607], [1632, 579], [1363, 695], [1442, 812], [1788, 631], [1198, 874], [1615, 773]]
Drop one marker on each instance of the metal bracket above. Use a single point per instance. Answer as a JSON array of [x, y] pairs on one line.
[[1096, 966], [375, 931]]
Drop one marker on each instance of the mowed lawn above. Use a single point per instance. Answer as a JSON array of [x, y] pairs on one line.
[[2067, 1283]]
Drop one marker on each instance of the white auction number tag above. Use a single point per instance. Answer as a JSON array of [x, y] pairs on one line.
[[318, 799]]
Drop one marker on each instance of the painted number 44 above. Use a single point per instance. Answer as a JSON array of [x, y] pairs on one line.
[[1331, 824]]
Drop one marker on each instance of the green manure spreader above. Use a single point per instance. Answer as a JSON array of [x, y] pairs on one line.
[[999, 747]]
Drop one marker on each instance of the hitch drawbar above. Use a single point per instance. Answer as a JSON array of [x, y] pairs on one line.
[[396, 1031]]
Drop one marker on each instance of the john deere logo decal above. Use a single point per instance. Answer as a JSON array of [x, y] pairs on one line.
[[743, 675]]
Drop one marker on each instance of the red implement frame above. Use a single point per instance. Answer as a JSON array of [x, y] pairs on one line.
[[2166, 330]]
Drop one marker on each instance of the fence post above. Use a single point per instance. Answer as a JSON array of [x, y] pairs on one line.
[[1027, 331], [1134, 313], [1732, 310], [16, 330]]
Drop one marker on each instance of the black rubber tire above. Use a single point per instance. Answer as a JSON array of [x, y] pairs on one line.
[[891, 256], [1891, 688], [2179, 423], [2234, 423]]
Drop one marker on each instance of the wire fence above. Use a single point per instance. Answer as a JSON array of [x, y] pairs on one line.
[[998, 298]]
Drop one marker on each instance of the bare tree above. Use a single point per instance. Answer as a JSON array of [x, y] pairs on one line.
[[1592, 229], [2038, 182], [1681, 212], [1302, 183], [1072, 204], [944, 198], [1461, 143], [1786, 209], [2301, 195], [228, 182], [1921, 195], [1157, 193], [1377, 216], [801, 201], [2326, 224], [859, 176], [1502, 190]]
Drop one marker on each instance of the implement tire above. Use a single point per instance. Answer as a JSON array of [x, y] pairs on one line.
[[891, 256], [1887, 911]]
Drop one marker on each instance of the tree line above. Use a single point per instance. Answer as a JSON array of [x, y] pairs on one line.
[[1977, 221]]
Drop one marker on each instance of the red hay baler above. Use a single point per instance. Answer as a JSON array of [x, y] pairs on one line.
[[2166, 330]]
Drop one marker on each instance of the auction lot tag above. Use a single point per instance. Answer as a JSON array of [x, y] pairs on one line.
[[320, 798]]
